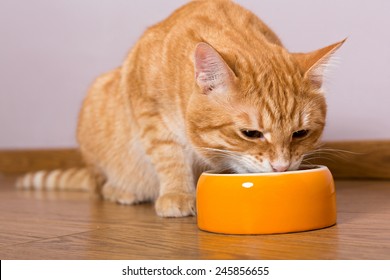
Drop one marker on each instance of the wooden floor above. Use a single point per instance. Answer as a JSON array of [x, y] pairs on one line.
[[55, 225]]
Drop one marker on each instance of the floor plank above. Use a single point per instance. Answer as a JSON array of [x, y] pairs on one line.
[[66, 225]]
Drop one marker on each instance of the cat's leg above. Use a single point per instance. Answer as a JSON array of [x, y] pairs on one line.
[[130, 182], [108, 192], [177, 188], [131, 177], [118, 194], [173, 164]]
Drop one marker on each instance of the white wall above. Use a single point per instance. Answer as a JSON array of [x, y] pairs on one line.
[[50, 51]]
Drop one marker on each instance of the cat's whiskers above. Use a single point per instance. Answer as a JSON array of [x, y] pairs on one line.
[[246, 161], [333, 150], [317, 158], [329, 154], [224, 154]]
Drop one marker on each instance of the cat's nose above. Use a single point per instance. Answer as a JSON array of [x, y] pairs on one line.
[[279, 167]]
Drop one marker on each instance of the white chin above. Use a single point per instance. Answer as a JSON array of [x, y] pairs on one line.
[[249, 169], [295, 165]]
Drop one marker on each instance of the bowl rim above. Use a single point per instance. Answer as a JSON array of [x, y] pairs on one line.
[[310, 169]]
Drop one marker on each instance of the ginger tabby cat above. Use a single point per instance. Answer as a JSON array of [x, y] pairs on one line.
[[210, 87]]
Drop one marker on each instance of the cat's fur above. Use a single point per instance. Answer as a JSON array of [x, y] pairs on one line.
[[209, 87]]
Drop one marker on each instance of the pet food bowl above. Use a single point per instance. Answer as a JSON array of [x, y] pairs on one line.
[[266, 203]]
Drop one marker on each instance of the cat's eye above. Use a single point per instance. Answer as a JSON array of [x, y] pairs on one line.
[[300, 134], [252, 134]]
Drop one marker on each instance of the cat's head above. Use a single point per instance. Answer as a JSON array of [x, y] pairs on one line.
[[257, 114]]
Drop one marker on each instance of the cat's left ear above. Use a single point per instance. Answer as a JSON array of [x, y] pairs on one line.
[[212, 73], [313, 64]]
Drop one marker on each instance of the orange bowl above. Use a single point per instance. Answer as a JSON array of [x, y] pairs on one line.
[[266, 203]]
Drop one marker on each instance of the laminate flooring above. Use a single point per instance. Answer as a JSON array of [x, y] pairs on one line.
[[75, 225]]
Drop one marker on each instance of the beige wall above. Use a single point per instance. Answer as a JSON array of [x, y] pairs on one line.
[[50, 51]]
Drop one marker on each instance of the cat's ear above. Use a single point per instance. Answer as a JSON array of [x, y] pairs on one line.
[[313, 64], [212, 74]]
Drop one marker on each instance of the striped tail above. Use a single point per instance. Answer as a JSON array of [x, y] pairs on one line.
[[73, 179]]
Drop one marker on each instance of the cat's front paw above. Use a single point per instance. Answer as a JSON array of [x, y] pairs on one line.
[[176, 205]]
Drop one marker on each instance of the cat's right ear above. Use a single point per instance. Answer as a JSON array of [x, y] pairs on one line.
[[314, 63], [212, 74]]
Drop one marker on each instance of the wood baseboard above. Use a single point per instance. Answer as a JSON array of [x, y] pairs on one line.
[[346, 160], [357, 159], [21, 161]]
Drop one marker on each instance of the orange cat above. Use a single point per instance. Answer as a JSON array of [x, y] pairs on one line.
[[209, 87]]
